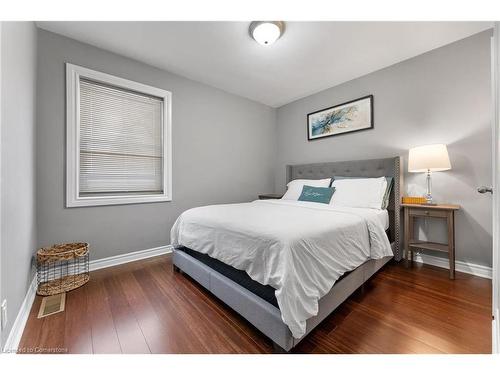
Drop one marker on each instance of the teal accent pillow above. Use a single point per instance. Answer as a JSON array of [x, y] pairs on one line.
[[316, 194], [387, 195]]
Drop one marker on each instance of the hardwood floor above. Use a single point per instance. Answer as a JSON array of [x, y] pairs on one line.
[[144, 307]]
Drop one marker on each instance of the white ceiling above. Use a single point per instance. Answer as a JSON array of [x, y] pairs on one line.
[[310, 57]]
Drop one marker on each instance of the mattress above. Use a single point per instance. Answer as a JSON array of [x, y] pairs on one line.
[[300, 249], [266, 292]]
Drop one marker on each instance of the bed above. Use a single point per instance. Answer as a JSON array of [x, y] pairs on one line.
[[286, 294]]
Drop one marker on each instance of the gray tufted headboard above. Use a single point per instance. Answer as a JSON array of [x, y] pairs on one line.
[[390, 167]]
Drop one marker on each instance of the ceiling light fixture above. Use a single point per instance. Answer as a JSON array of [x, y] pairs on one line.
[[266, 32]]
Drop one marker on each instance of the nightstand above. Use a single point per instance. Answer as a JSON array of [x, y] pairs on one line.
[[441, 211], [270, 196]]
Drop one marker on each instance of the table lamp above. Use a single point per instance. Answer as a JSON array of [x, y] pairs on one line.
[[429, 158]]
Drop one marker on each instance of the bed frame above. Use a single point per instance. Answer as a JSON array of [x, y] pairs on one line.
[[266, 317]]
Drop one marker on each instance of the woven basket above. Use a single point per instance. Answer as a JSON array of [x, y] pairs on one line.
[[64, 284], [61, 268], [60, 252]]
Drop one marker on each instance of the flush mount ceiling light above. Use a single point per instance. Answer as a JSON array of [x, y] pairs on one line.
[[266, 32]]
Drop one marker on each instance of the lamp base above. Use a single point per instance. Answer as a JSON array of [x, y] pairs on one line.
[[428, 196]]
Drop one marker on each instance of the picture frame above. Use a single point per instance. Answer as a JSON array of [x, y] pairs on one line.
[[348, 117]]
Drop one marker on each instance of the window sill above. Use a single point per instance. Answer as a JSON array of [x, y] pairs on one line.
[[116, 200]]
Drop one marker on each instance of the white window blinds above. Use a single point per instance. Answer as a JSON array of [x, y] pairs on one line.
[[121, 141]]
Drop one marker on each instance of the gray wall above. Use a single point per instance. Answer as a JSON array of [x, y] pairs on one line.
[[226, 148], [442, 96], [223, 149], [18, 230]]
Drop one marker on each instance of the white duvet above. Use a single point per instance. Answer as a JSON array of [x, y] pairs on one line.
[[299, 248]]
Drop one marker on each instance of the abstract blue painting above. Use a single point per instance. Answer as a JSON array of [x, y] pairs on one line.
[[347, 117]]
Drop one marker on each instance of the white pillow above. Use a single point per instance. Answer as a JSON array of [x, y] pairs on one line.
[[359, 192], [295, 187]]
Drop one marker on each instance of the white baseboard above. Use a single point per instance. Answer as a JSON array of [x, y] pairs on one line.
[[471, 268], [17, 329], [496, 333], [129, 257]]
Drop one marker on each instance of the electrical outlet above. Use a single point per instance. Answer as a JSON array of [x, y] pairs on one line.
[[4, 313]]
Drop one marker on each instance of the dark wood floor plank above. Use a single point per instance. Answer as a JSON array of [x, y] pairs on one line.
[[78, 329], [32, 330], [127, 328], [104, 337], [146, 307], [363, 333], [241, 327], [153, 327], [178, 332], [51, 338], [425, 314], [202, 319], [465, 287]]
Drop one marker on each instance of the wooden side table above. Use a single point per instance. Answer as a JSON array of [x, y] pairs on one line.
[[270, 196], [442, 211]]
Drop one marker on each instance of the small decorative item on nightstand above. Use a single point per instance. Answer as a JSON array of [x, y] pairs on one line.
[[414, 200], [270, 196], [442, 211]]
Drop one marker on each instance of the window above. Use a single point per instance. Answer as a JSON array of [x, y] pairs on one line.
[[118, 140]]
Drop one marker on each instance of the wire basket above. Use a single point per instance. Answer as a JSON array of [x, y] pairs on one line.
[[61, 268]]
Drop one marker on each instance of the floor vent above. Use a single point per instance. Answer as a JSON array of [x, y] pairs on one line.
[[52, 305]]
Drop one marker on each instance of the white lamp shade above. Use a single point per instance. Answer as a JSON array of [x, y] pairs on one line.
[[431, 157]]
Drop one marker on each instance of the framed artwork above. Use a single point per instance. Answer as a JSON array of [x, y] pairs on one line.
[[348, 117]]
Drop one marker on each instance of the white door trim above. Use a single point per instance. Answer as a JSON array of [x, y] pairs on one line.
[[495, 89], [1, 290]]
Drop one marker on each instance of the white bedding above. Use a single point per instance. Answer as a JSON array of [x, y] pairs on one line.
[[299, 248], [382, 217]]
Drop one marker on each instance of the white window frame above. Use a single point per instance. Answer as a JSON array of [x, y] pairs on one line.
[[73, 198]]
